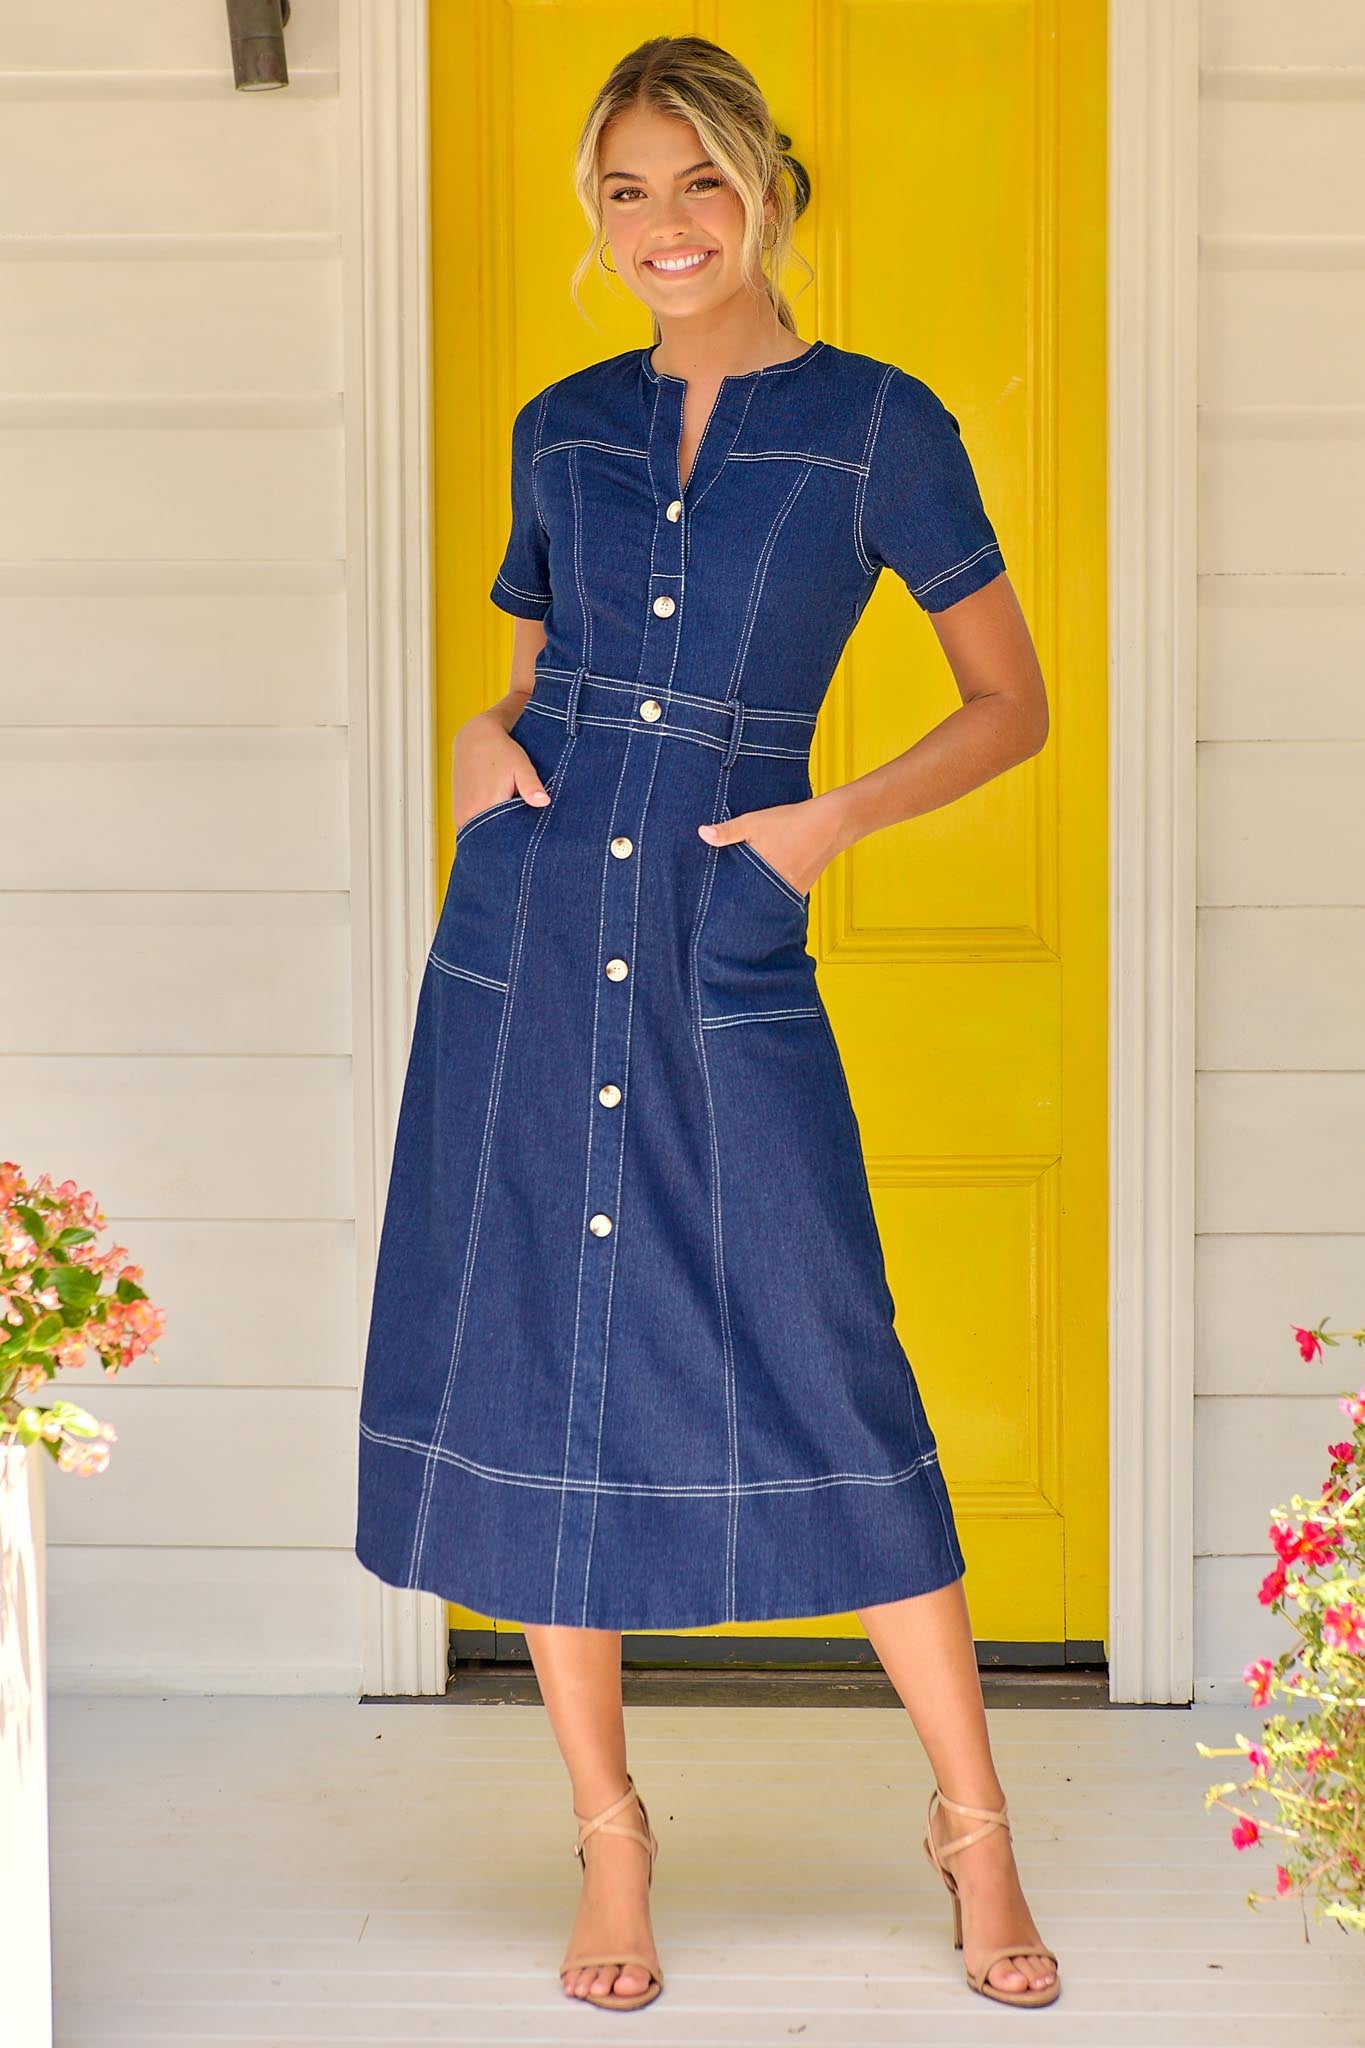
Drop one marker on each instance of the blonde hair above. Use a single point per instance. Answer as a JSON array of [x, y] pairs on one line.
[[697, 81]]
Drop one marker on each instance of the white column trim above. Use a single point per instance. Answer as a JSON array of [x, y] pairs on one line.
[[388, 440], [1152, 308], [1153, 600]]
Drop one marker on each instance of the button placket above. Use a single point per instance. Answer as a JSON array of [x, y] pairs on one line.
[[624, 889]]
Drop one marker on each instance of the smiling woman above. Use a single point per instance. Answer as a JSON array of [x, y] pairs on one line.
[[632, 1361]]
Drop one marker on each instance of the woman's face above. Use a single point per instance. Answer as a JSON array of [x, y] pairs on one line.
[[674, 221]]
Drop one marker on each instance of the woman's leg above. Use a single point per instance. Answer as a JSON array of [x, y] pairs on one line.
[[926, 1649], [579, 1671]]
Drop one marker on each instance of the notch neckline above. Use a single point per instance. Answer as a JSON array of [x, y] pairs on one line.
[[731, 376]]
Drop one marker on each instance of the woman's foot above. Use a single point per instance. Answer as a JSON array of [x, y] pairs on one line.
[[613, 1912], [994, 1910]]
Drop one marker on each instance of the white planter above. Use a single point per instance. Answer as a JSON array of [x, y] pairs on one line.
[[25, 1909]]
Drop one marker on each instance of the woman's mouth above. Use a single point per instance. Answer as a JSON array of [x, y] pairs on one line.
[[680, 266]]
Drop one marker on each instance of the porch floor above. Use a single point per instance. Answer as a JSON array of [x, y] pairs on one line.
[[278, 1870]]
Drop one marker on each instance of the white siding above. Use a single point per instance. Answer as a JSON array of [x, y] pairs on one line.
[[176, 1011], [1281, 857], [178, 809]]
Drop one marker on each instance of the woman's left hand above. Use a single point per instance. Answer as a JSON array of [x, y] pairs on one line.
[[799, 840]]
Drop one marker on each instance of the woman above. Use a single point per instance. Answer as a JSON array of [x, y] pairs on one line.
[[631, 1358]]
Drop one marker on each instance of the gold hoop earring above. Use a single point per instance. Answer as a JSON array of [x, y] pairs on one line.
[[609, 268]]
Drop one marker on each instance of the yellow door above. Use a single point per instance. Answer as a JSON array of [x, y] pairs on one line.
[[956, 150]]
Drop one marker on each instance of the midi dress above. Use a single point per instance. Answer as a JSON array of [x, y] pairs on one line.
[[631, 1361]]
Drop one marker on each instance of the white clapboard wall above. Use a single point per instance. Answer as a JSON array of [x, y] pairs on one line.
[[175, 993], [1280, 1158]]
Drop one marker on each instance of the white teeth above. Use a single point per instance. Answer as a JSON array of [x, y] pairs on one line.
[[678, 262]]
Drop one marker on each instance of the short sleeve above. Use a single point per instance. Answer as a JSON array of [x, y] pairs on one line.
[[522, 584], [921, 513]]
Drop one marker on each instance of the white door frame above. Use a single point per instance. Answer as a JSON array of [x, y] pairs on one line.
[[1153, 70]]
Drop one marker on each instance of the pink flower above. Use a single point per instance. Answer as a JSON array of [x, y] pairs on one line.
[[1353, 1406], [1257, 1676], [1344, 1627], [1318, 1755], [1245, 1833], [1272, 1585], [1283, 1881], [1257, 1758], [1342, 1453], [1316, 1543], [1310, 1345]]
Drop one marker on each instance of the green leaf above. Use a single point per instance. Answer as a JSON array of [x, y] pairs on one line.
[[45, 1331], [75, 1234], [128, 1290], [34, 1222], [76, 1286]]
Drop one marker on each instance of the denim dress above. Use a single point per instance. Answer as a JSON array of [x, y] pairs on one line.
[[631, 1362]]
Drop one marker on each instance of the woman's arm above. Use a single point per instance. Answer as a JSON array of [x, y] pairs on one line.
[[1002, 720], [486, 764]]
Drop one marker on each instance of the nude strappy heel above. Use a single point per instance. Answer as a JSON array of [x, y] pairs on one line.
[[993, 1817], [611, 2001]]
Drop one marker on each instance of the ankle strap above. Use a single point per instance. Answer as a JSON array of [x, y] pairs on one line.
[[992, 1816], [605, 1822]]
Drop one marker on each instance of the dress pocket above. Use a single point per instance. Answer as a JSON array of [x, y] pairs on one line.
[[752, 959], [479, 915]]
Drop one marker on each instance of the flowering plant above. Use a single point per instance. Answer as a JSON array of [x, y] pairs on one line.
[[53, 1309], [1313, 1764]]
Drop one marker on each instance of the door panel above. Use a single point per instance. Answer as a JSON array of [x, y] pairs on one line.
[[957, 155]]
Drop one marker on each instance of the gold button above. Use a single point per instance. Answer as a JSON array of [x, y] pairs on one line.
[[675, 510], [664, 606], [621, 846], [599, 1225], [617, 970], [651, 709], [609, 1096]]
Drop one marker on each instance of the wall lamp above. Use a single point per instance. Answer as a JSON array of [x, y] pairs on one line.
[[257, 31]]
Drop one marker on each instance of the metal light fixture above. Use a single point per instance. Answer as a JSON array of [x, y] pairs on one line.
[[257, 31]]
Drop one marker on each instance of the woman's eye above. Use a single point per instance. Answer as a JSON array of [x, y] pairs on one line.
[[633, 191]]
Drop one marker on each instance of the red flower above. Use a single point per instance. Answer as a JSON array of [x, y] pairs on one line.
[[1343, 1628], [1342, 1453], [1245, 1833], [1257, 1676], [1310, 1346], [1272, 1585], [1316, 1543], [1283, 1881]]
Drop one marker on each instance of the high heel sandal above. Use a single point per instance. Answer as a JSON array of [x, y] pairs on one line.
[[993, 1817], [612, 2001]]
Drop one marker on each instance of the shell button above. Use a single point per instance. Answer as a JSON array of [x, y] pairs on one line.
[[675, 510], [664, 607], [609, 1095], [617, 970], [622, 847], [651, 709], [599, 1225]]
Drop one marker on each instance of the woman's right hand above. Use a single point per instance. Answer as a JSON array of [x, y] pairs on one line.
[[488, 766]]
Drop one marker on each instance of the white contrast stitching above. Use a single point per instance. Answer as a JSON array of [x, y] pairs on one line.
[[989, 547], [547, 1481], [873, 430], [465, 973], [481, 1179], [733, 1017], [532, 596]]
